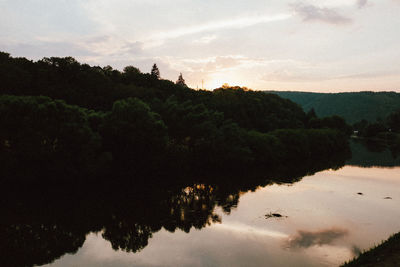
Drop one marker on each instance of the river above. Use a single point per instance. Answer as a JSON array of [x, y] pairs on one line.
[[323, 219]]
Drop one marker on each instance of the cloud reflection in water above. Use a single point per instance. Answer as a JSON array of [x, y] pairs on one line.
[[306, 239]]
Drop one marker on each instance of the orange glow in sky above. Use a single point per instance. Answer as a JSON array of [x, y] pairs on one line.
[[305, 45]]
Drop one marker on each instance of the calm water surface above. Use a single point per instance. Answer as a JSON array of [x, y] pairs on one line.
[[327, 218], [320, 219]]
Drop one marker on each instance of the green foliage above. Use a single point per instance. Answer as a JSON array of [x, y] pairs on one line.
[[98, 88], [360, 126], [204, 134], [40, 136], [130, 75], [333, 122], [255, 110], [386, 132], [382, 128], [134, 130], [133, 133], [266, 149], [393, 121], [373, 129], [138, 123], [353, 107], [312, 143]]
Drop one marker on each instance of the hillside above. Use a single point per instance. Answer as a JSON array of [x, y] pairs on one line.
[[353, 106], [64, 119]]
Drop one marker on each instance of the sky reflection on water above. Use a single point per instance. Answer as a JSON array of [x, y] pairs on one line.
[[327, 223]]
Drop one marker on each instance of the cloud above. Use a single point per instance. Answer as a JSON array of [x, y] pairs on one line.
[[214, 70], [159, 38], [108, 49], [368, 75], [38, 50], [209, 65], [306, 239], [223, 62], [205, 39], [319, 14], [285, 75], [362, 3], [296, 71]]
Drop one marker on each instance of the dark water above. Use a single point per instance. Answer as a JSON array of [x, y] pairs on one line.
[[299, 215]]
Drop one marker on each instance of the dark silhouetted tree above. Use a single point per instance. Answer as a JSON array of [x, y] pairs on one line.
[[180, 80], [133, 133], [139, 123], [40, 136], [155, 72], [311, 114], [131, 69]]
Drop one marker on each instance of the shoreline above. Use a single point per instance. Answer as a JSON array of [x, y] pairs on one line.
[[386, 253]]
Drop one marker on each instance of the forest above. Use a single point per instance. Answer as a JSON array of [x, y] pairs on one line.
[[352, 106], [63, 120], [382, 133]]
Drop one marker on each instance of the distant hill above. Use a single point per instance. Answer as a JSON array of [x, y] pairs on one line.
[[352, 106]]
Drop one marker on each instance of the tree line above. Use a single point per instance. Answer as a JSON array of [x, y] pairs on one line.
[[352, 106], [384, 132], [61, 118]]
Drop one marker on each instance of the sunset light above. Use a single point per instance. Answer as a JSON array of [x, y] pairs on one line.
[[308, 45], [208, 133]]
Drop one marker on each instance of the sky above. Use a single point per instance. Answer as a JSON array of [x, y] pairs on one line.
[[297, 45]]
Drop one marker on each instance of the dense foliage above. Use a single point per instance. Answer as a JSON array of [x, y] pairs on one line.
[[42, 136], [386, 132], [353, 107], [88, 149], [99, 121]]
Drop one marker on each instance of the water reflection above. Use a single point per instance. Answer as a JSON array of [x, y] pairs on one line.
[[373, 154], [42, 223], [306, 239]]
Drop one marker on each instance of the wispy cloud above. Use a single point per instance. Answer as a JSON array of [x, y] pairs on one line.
[[361, 3], [243, 22], [313, 13], [38, 50], [205, 39], [221, 63], [368, 75], [285, 75]]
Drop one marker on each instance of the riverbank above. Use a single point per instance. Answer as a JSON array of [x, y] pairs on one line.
[[385, 254], [384, 141]]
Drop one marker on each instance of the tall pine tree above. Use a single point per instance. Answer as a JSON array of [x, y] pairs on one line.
[[180, 80], [155, 72]]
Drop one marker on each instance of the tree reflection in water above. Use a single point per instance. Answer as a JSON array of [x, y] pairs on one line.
[[42, 223]]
